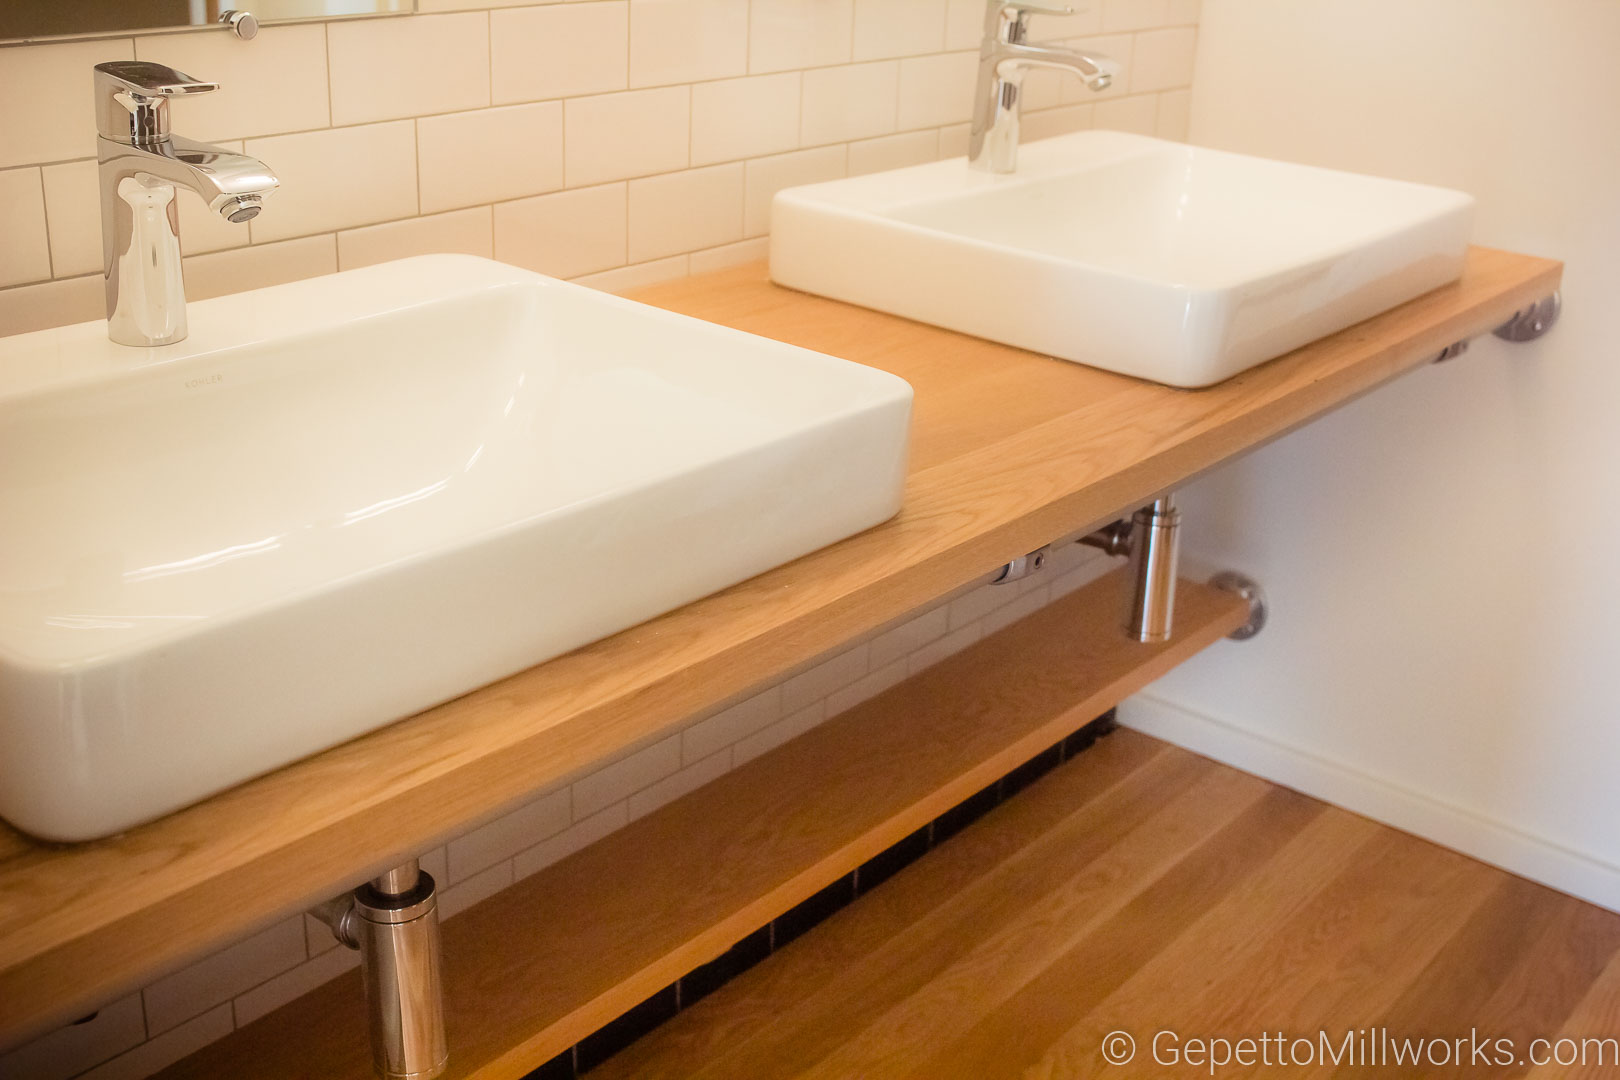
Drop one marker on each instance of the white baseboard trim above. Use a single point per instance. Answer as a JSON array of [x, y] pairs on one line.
[[1489, 840]]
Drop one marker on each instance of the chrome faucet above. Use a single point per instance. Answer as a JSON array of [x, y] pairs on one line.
[[140, 165], [1004, 59]]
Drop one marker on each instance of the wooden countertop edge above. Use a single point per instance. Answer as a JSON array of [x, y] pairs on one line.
[[115, 906]]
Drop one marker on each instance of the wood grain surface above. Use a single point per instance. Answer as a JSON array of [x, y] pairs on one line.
[[1011, 450]]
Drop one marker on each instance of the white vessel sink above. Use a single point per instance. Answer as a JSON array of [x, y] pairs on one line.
[[343, 500], [1168, 262]]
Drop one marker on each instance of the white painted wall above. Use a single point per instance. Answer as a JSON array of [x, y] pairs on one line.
[[1445, 651]]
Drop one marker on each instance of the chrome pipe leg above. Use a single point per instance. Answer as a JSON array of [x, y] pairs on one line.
[[394, 921], [1154, 551]]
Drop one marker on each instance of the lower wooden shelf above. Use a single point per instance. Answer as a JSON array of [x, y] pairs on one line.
[[539, 966]]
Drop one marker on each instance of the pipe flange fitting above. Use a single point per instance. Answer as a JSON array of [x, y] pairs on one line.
[[1527, 324], [1245, 586]]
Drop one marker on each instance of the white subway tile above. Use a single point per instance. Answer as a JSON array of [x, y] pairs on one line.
[[909, 636], [684, 211], [480, 886], [953, 141], [51, 114], [490, 155], [893, 152], [727, 255], [337, 179], [1065, 583], [637, 133], [1134, 14], [827, 676], [255, 267], [565, 843], [865, 688], [786, 34], [766, 176], [408, 66], [51, 303], [203, 985], [598, 790], [1043, 88], [1059, 121], [464, 232], [964, 24], [949, 645], [318, 937], [436, 863], [937, 90], [684, 782], [676, 41], [269, 996], [471, 5], [979, 602], [164, 1050], [562, 50], [886, 28], [627, 279], [566, 234], [1175, 108], [273, 84], [778, 733], [1138, 113], [854, 101], [1025, 604], [509, 834], [1183, 13], [70, 1050], [1163, 59], [73, 208], [740, 118], [708, 736], [25, 251]]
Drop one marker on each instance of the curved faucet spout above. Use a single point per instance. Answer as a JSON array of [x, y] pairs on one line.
[[140, 165]]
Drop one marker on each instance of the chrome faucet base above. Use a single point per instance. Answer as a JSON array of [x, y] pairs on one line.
[[141, 166], [1004, 58]]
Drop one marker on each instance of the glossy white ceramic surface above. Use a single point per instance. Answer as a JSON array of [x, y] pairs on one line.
[[1168, 262], [343, 500]]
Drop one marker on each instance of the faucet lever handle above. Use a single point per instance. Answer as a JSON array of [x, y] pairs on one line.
[[132, 98], [1007, 21]]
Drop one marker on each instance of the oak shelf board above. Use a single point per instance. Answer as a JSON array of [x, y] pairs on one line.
[[1010, 450], [539, 966]]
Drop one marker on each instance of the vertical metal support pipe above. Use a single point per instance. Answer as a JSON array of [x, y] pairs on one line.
[[397, 924], [1153, 563]]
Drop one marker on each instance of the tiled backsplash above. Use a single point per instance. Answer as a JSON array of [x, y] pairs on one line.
[[621, 141]]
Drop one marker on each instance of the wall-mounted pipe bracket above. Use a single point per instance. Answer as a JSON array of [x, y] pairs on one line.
[[1526, 324], [393, 920], [1248, 588]]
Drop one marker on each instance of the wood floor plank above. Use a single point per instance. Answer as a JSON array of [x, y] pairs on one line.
[[1227, 911], [1181, 983], [1014, 1036], [1013, 942]]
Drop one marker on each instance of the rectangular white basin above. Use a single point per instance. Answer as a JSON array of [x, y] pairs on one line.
[[343, 500], [1155, 259]]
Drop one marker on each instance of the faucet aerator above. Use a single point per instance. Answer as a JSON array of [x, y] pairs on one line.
[[243, 209], [1101, 82]]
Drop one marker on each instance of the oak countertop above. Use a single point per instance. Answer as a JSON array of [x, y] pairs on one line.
[[1010, 450]]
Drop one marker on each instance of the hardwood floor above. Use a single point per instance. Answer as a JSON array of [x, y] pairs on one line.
[[1140, 888]]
